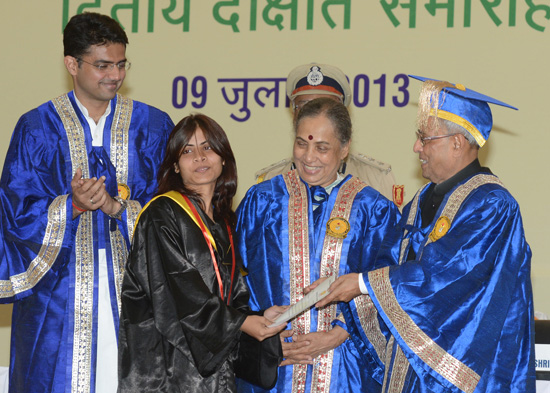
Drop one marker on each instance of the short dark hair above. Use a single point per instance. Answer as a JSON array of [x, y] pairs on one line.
[[226, 185], [91, 28], [335, 111]]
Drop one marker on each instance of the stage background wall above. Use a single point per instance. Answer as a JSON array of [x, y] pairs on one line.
[[499, 50]]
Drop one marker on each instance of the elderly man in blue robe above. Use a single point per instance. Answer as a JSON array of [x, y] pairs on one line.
[[453, 309]]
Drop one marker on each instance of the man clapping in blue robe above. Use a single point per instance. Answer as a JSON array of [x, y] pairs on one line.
[[77, 171]]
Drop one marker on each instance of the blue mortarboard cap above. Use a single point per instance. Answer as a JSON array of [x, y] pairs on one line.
[[457, 104]]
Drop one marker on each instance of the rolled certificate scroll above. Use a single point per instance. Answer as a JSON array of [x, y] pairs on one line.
[[306, 302]]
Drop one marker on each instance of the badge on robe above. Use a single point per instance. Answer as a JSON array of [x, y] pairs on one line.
[[398, 195], [123, 191], [338, 227], [441, 228]]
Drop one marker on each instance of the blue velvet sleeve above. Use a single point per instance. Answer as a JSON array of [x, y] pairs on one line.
[[467, 298], [261, 240], [36, 226], [147, 150]]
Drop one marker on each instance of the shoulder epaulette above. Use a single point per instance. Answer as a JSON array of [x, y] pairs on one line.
[[261, 174], [364, 159]]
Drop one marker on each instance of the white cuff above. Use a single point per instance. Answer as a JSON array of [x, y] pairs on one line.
[[362, 285]]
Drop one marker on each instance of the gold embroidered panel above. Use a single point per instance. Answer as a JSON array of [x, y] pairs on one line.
[[132, 214], [368, 318], [84, 300], [51, 246], [298, 244], [84, 253], [75, 134], [120, 137], [299, 251], [399, 369], [423, 346], [387, 361], [119, 158], [120, 254], [330, 264]]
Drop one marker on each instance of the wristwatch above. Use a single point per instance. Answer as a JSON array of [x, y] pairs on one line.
[[123, 206]]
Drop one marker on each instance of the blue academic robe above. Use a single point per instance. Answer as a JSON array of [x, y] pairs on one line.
[[459, 317], [263, 233], [48, 261]]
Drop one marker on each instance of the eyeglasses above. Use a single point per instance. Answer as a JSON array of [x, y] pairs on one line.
[[107, 67], [425, 139]]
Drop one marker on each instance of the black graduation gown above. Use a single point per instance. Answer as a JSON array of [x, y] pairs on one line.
[[176, 333]]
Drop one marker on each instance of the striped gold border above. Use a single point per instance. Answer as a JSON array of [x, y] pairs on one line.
[[330, 264], [399, 369], [298, 223], [84, 300], [119, 158], [132, 214], [51, 245], [368, 319], [84, 253], [387, 360], [450, 368], [75, 134], [119, 252], [440, 113], [120, 137], [298, 244]]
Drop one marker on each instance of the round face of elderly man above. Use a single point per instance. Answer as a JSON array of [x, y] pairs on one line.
[[442, 153]]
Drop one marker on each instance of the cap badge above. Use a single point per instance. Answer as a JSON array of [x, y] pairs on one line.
[[338, 227], [315, 76], [441, 228]]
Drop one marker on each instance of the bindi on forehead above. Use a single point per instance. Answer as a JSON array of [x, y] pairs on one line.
[[310, 137]]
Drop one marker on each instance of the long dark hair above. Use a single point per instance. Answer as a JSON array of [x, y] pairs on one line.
[[226, 185]]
